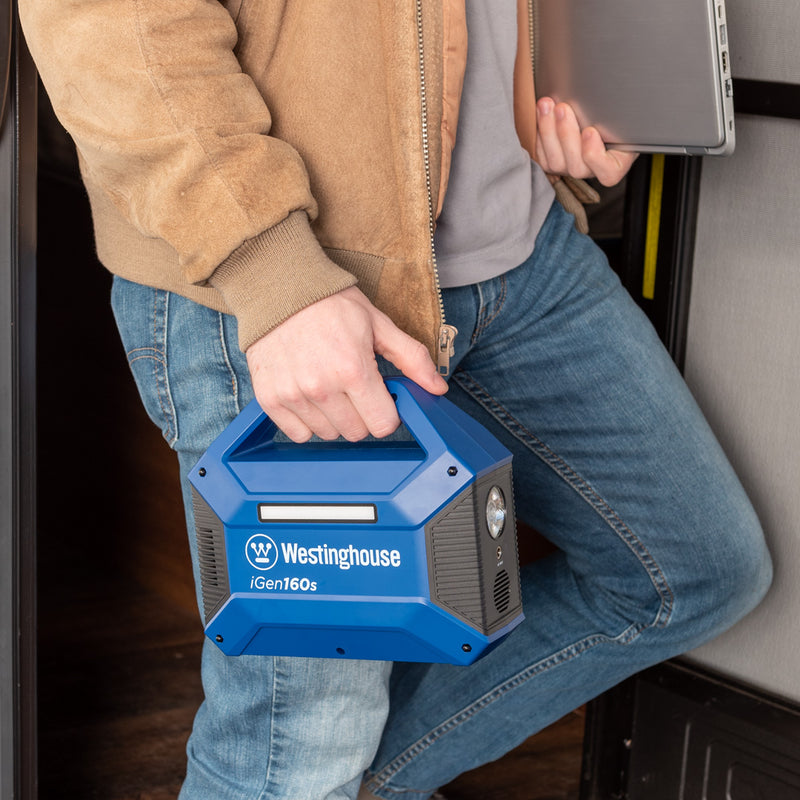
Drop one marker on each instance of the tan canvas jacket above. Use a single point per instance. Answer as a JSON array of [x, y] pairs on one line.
[[259, 156]]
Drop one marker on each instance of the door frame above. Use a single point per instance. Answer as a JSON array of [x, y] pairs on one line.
[[18, 766]]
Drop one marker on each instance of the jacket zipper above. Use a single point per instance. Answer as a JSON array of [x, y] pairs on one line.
[[445, 346], [532, 36]]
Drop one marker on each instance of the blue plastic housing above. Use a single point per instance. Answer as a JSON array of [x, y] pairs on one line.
[[324, 549]]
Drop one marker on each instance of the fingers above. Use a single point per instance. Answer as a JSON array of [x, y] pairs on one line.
[[559, 148], [410, 356], [302, 411], [562, 148], [316, 373], [609, 166]]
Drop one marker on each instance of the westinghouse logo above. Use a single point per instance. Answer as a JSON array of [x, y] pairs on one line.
[[342, 557], [261, 552]]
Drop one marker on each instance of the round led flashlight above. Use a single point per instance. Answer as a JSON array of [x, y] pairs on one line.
[[496, 512]]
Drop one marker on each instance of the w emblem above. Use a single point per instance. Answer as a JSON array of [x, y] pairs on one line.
[[261, 552]]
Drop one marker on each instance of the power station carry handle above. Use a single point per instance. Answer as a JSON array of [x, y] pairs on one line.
[[417, 409]]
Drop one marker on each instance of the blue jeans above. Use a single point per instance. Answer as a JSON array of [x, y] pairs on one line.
[[658, 547]]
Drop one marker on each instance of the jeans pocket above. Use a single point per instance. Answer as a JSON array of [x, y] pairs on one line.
[[141, 314]]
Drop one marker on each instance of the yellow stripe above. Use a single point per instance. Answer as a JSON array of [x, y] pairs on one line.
[[653, 226]]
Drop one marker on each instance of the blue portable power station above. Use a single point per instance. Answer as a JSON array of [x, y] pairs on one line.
[[389, 550]]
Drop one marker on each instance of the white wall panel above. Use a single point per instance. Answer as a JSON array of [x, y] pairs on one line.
[[764, 39], [743, 364]]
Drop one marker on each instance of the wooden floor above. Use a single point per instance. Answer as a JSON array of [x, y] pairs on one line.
[[119, 637]]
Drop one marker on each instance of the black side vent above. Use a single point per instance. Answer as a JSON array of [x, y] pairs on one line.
[[456, 563], [502, 591], [214, 583]]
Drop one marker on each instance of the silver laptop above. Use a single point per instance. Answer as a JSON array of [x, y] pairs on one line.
[[652, 75]]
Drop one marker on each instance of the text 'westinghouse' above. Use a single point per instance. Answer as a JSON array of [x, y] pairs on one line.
[[343, 557]]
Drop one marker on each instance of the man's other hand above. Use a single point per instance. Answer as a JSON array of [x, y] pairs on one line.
[[562, 148]]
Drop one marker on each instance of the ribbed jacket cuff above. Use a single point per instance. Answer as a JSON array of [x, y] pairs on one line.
[[276, 274]]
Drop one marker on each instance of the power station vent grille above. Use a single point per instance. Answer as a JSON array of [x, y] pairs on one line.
[[214, 584], [456, 560], [502, 591]]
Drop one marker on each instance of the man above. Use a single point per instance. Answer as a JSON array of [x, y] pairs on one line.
[[269, 183]]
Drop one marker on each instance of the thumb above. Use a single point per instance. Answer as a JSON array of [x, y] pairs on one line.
[[409, 355]]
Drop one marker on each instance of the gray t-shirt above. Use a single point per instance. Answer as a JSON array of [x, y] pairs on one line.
[[497, 198]]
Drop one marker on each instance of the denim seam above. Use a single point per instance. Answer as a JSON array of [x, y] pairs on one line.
[[270, 760], [158, 354], [379, 779], [581, 486], [160, 328], [231, 372], [485, 319]]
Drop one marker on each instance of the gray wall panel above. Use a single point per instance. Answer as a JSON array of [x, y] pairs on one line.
[[743, 363], [763, 39]]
